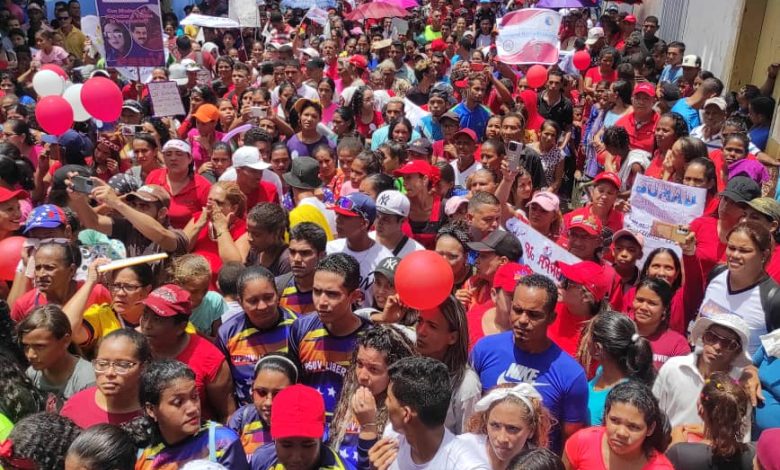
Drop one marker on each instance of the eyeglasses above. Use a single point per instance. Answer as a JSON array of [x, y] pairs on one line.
[[128, 288], [710, 337], [120, 367]]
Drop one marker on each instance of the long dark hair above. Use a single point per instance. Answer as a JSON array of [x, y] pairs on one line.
[[664, 291], [675, 259], [639, 395], [724, 406], [104, 446]]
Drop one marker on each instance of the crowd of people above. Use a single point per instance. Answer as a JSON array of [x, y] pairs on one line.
[[311, 161]]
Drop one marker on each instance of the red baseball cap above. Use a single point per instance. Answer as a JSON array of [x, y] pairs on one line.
[[590, 224], [591, 275], [467, 132], [438, 45], [7, 194], [630, 19], [508, 274], [607, 176], [298, 411], [416, 167], [358, 61], [644, 87], [168, 301]]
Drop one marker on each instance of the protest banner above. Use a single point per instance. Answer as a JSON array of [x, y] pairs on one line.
[[317, 15], [245, 13], [166, 100], [529, 36], [661, 211], [539, 252], [133, 34], [195, 19]]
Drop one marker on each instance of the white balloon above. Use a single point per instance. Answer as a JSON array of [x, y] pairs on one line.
[[47, 83], [73, 96]]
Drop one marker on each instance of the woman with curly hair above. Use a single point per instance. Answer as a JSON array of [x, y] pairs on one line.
[[171, 432], [102, 446], [510, 419], [18, 395], [39, 442], [361, 409], [723, 405]]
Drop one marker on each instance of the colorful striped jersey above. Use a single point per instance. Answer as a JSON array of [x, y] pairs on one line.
[[243, 344], [265, 458], [324, 358], [251, 428], [297, 301], [226, 450]]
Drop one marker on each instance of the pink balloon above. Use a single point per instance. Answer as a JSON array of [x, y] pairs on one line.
[[581, 60], [102, 99], [56, 69], [54, 114], [536, 76]]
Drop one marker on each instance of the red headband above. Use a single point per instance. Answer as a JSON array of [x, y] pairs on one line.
[[7, 455]]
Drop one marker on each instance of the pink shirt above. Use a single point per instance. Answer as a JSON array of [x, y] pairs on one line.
[[84, 411], [198, 154], [57, 56]]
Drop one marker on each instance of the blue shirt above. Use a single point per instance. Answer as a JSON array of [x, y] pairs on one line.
[[689, 114], [226, 450], [555, 374], [759, 136], [671, 74], [430, 128], [768, 411], [381, 135], [475, 119], [265, 458], [596, 400]]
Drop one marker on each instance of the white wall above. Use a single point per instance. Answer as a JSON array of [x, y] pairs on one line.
[[709, 29]]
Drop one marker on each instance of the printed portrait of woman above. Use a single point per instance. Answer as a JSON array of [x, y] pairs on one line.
[[117, 39]]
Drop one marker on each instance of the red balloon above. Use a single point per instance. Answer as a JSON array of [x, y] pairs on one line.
[[10, 253], [102, 99], [54, 114], [56, 69], [536, 76], [423, 280], [581, 60]]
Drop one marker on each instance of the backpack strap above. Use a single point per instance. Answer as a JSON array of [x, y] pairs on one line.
[[212, 441], [400, 245], [770, 302], [717, 270]]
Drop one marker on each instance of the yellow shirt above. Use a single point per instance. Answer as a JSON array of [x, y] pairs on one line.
[[74, 42], [100, 320]]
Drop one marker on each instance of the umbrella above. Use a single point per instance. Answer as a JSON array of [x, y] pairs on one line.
[[376, 10], [402, 3], [566, 3]]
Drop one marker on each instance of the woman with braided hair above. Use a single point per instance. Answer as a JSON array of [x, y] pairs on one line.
[[361, 409]]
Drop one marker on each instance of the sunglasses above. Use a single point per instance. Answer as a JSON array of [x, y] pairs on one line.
[[710, 337], [349, 205]]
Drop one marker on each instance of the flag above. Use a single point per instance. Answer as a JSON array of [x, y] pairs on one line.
[[529, 36]]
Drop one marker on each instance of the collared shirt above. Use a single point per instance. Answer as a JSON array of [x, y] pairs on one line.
[[74, 41], [714, 142], [561, 111], [475, 119], [678, 383], [671, 74], [641, 135]]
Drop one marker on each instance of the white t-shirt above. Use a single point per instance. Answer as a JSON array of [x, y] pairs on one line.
[[477, 443], [453, 454], [409, 247], [368, 260], [462, 176], [745, 304]]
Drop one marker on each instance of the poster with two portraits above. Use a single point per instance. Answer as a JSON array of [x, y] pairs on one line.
[[132, 32]]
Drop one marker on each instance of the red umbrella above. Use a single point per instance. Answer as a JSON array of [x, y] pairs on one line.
[[376, 10]]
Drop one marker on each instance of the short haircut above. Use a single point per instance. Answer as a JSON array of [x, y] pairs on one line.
[[310, 233], [343, 265], [241, 66], [482, 198], [712, 85], [255, 135], [540, 281], [763, 105], [270, 217], [423, 384], [677, 45], [652, 19], [350, 144], [227, 279]]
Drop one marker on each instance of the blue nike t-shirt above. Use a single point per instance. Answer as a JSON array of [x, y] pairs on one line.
[[554, 373]]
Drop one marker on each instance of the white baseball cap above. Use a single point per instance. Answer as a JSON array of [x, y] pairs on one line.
[[190, 65], [393, 202], [249, 157], [726, 320], [176, 144], [594, 34]]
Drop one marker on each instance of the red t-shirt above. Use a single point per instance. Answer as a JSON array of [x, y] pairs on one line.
[[667, 343], [184, 204], [209, 248], [565, 331], [583, 450], [709, 248], [595, 75], [34, 298], [643, 137], [266, 192], [205, 360], [367, 129], [474, 321], [84, 411], [656, 167], [614, 219]]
